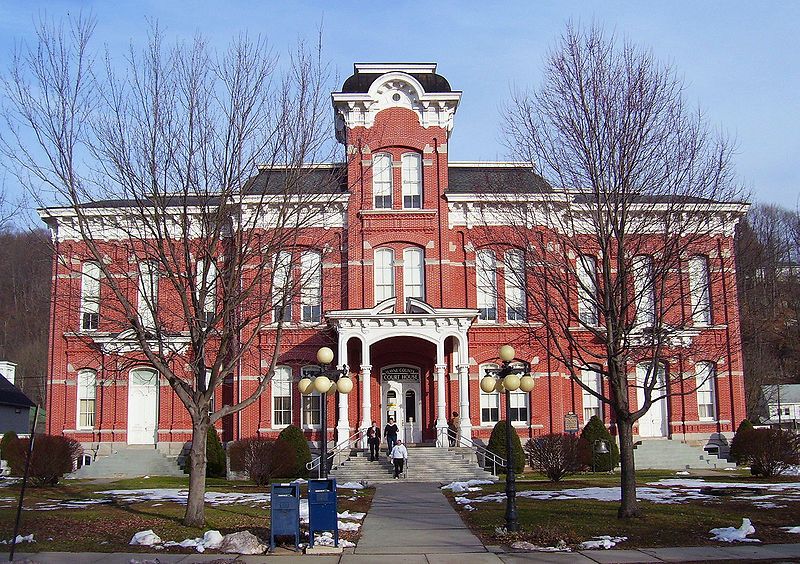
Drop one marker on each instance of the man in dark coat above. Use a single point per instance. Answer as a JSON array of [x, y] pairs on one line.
[[374, 441]]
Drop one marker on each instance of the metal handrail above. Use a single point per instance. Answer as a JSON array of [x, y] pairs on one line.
[[346, 445], [478, 449]]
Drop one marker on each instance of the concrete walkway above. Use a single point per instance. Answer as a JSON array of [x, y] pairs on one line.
[[413, 523]]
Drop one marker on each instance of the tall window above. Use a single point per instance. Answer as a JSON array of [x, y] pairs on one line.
[[704, 374], [413, 273], [515, 286], [90, 296], [519, 406], [311, 411], [412, 180], [382, 180], [490, 403], [87, 382], [148, 294], [486, 269], [699, 290], [311, 278], [643, 288], [281, 296], [282, 397], [207, 289], [587, 290], [591, 405], [384, 274]]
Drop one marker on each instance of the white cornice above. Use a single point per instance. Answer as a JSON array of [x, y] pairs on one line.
[[382, 68]]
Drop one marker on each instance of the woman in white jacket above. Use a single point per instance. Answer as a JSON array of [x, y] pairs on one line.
[[399, 456]]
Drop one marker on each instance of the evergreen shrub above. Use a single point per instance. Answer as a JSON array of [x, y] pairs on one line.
[[293, 436], [215, 455], [497, 445], [594, 430]]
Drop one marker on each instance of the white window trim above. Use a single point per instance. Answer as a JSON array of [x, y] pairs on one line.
[[83, 374], [514, 269], [527, 398], [310, 281], [593, 380], [375, 161], [304, 371], [644, 291], [209, 302], [700, 291], [588, 308], [281, 279], [90, 293], [384, 269], [147, 298], [273, 395], [405, 159], [481, 373], [407, 253], [707, 379], [486, 278]]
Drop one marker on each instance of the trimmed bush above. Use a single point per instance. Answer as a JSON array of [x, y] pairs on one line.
[[53, 456], [7, 443], [497, 445], [215, 455], [293, 436], [554, 455], [594, 430], [262, 459], [739, 444], [770, 452]]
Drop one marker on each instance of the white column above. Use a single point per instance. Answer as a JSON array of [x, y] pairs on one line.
[[463, 393], [343, 422], [366, 402], [441, 406]]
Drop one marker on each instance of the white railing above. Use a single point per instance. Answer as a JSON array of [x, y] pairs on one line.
[[481, 452], [348, 444]]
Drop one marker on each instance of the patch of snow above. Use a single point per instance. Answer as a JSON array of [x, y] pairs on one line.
[[181, 495], [468, 486], [683, 473], [20, 539], [792, 471], [242, 542], [464, 500], [352, 515], [791, 529], [349, 526], [732, 534], [603, 541], [326, 539], [145, 538], [468, 507], [524, 545], [350, 486], [300, 481]]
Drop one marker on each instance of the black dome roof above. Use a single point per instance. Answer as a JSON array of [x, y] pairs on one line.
[[361, 81]]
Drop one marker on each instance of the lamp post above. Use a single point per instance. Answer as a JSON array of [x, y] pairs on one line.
[[507, 378], [327, 380]]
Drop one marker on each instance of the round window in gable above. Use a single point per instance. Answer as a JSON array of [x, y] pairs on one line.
[[396, 97]]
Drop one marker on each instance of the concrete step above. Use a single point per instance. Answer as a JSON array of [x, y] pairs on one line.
[[130, 462], [675, 455]]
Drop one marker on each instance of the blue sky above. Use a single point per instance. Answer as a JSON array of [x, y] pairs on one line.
[[739, 59]]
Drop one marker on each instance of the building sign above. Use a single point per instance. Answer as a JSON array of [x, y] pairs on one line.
[[400, 374], [571, 423]]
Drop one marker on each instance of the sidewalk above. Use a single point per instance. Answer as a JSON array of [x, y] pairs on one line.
[[413, 523]]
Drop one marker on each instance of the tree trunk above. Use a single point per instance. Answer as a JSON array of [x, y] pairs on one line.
[[195, 506], [629, 506]]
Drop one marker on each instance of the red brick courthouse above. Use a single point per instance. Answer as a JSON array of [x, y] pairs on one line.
[[401, 297]]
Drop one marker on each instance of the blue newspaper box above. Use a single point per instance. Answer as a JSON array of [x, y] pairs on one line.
[[322, 515], [284, 513]]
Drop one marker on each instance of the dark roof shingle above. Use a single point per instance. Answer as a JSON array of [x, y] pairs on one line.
[[11, 395]]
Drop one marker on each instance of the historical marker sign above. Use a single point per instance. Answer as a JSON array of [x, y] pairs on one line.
[[571, 423]]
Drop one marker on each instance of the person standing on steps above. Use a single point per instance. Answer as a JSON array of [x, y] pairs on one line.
[[399, 456], [374, 441], [455, 430], [390, 432]]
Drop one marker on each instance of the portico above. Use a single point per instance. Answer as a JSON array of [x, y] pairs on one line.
[[398, 352]]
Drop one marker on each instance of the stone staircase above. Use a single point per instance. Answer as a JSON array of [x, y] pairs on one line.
[[425, 464], [674, 455], [130, 461]]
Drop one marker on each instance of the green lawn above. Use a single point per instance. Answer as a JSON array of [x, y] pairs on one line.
[[109, 527], [545, 522]]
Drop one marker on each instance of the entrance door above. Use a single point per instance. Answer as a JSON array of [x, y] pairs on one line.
[[654, 422], [142, 407], [400, 391]]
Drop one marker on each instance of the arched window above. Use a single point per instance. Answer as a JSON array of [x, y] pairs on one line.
[[705, 376], [311, 284], [87, 384], [587, 289], [207, 289], [515, 286], [384, 274], [413, 273], [90, 296], [412, 180], [382, 180], [281, 281], [699, 290], [311, 411], [486, 270], [591, 405], [490, 403], [643, 287], [147, 305], [282, 397]]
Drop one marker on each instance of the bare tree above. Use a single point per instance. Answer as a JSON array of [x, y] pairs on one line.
[[185, 177], [636, 187]]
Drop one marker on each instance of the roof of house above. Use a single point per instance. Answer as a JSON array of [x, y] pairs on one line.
[[11, 395], [477, 178], [785, 393], [360, 82]]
